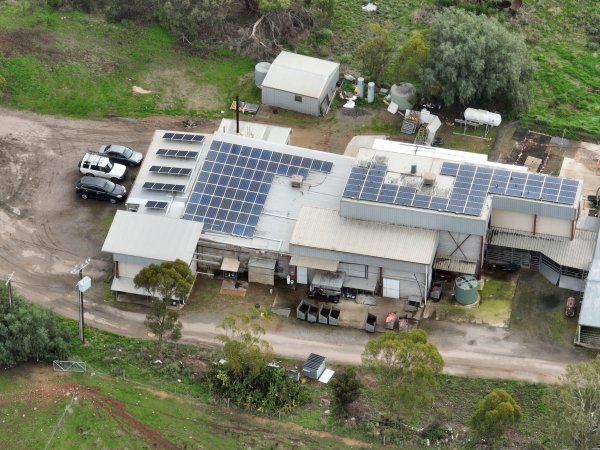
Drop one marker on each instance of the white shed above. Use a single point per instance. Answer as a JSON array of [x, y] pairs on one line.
[[300, 83]]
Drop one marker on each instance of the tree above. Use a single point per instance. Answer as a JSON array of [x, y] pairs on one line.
[[578, 418], [475, 60], [405, 365], [244, 374], [30, 332], [345, 388], [170, 279], [411, 58], [494, 414], [374, 54]]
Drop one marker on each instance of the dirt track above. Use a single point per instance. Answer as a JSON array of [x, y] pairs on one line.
[[45, 230]]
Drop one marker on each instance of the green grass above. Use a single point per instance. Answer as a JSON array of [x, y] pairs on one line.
[[79, 65]]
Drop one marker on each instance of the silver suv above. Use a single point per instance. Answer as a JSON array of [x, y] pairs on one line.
[[97, 165]]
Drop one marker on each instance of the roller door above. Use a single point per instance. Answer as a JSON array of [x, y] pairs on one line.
[[391, 288]]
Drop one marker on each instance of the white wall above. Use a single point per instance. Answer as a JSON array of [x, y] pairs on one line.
[[556, 227], [512, 220], [286, 100], [470, 249], [129, 270]]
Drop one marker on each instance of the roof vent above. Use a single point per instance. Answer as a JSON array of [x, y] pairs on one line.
[[413, 168], [428, 178], [297, 181]]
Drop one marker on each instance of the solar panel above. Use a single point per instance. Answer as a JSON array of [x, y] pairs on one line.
[[471, 186], [163, 187], [184, 137], [166, 170], [184, 154], [153, 204], [233, 184]]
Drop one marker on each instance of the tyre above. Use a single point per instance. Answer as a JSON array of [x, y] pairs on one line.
[[84, 196]]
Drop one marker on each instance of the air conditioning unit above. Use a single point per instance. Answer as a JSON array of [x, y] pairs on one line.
[[297, 181], [428, 178]]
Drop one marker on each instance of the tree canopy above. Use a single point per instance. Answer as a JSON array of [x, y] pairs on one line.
[[495, 413], [412, 56], [374, 54], [30, 332], [405, 365], [578, 424], [166, 280], [474, 60]]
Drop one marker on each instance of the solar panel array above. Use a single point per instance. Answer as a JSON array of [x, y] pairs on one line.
[[164, 187], [184, 154], [234, 182], [183, 137], [166, 170], [534, 186], [153, 204], [471, 187]]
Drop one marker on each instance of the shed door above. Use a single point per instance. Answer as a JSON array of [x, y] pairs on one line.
[[391, 288], [301, 275]]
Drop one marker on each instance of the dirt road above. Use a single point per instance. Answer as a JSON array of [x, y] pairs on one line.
[[45, 230]]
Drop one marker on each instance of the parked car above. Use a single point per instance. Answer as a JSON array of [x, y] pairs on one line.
[[92, 187], [121, 154], [97, 165]]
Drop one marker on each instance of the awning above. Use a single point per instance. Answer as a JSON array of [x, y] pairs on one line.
[[361, 284], [455, 265], [230, 265], [314, 263], [329, 280]]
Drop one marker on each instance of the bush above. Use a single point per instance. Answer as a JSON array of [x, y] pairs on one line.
[[269, 390], [345, 388], [495, 414]]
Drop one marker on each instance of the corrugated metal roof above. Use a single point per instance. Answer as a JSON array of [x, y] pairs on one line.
[[314, 263], [299, 74], [230, 265], [590, 308], [153, 237], [326, 229], [262, 263], [455, 265], [576, 253]]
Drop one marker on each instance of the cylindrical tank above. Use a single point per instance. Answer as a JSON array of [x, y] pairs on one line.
[[425, 115], [361, 87], [465, 289], [260, 72], [404, 95], [482, 116], [371, 92]]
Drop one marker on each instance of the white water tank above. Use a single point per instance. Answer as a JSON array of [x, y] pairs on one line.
[[260, 72], [404, 95], [483, 117], [361, 87], [371, 92]]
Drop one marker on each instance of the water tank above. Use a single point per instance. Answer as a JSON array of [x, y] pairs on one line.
[[361, 87], [465, 290], [483, 117], [404, 95], [260, 72], [371, 92]]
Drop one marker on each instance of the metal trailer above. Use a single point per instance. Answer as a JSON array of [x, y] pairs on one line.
[[334, 317], [370, 322], [314, 366], [302, 310], [324, 312], [313, 313]]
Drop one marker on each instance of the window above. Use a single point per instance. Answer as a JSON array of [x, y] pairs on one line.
[[298, 98]]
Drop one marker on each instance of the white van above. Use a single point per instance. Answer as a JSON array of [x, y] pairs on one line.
[[100, 166]]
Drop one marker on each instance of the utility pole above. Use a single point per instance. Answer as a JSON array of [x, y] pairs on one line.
[[9, 286], [83, 285]]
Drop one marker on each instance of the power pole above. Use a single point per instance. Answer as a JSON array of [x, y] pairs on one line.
[[9, 286], [81, 288]]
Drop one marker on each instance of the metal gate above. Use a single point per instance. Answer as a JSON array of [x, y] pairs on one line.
[[69, 366]]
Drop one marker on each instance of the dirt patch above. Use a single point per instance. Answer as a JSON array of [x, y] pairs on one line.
[[21, 42], [179, 88], [537, 145]]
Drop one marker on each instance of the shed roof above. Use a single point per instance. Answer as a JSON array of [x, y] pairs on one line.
[[154, 237], [326, 229], [576, 253], [314, 263], [455, 265], [299, 74], [590, 308], [230, 265]]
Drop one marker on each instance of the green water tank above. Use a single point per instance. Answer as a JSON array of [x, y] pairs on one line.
[[465, 289]]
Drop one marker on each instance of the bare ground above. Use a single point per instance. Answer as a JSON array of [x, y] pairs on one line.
[[45, 230]]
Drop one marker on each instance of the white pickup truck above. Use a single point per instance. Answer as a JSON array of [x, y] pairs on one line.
[[97, 165]]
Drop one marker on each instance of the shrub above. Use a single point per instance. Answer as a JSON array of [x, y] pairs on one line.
[[495, 414]]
